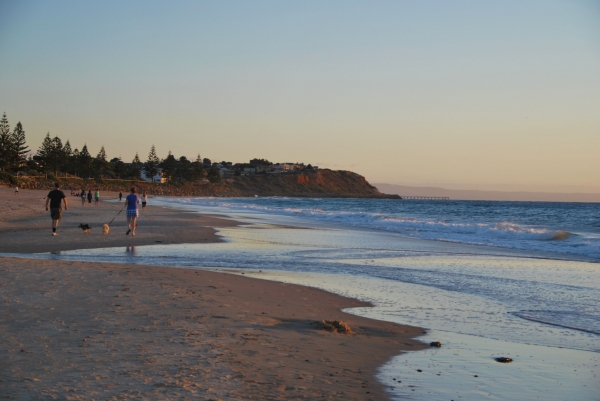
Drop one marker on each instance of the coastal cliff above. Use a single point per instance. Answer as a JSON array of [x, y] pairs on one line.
[[316, 183], [321, 183]]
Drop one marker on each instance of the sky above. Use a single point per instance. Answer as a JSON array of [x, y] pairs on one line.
[[491, 95]]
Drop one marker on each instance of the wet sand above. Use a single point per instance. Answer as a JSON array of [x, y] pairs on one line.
[[75, 330]]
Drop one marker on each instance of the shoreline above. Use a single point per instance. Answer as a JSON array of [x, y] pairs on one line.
[[120, 319], [267, 343]]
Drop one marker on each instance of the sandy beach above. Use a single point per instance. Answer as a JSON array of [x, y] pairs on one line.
[[77, 330], [26, 226]]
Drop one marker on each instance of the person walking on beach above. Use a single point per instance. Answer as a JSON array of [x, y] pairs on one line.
[[53, 201], [89, 196], [97, 196], [144, 200], [83, 197], [131, 202], [120, 196]]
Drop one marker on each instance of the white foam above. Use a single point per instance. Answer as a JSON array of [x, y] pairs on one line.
[[504, 234]]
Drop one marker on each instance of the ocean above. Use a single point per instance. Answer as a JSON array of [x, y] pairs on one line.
[[516, 279], [570, 230]]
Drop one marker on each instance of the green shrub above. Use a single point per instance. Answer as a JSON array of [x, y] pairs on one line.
[[8, 178]]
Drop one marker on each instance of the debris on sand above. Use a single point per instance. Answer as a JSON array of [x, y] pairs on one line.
[[435, 344], [504, 359], [337, 326]]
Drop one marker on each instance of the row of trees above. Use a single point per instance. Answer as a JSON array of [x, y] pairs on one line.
[[180, 169], [61, 159], [56, 158], [53, 156]]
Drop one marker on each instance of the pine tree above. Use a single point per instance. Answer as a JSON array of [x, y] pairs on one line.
[[100, 163], [6, 144], [20, 148], [44, 154], [136, 167], [197, 169], [85, 162], [102, 154], [68, 156], [56, 160], [74, 162], [151, 167]]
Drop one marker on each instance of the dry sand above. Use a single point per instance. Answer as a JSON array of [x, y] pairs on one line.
[[75, 330]]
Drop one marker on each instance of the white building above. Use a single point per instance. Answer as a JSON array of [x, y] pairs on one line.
[[282, 167]]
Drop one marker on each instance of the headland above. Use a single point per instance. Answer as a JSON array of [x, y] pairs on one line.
[[323, 183]]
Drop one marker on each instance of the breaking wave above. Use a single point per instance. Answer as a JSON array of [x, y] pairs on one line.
[[493, 224]]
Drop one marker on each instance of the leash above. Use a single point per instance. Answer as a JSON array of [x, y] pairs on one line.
[[117, 215]]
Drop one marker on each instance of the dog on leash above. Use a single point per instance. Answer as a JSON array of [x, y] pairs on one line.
[[85, 227], [105, 229]]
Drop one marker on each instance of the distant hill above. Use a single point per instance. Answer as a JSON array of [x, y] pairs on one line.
[[457, 194]]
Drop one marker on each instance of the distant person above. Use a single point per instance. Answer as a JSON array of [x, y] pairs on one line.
[[120, 196], [97, 196], [144, 200], [54, 199], [131, 202], [83, 197], [17, 190], [89, 196]]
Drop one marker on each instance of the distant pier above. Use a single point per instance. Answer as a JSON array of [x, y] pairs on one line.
[[426, 197]]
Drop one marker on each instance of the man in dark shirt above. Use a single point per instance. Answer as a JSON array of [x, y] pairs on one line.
[[54, 199]]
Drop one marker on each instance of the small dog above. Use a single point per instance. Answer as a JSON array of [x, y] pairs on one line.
[[85, 227], [105, 229]]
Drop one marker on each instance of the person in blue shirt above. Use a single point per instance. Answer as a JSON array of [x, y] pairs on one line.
[[131, 202]]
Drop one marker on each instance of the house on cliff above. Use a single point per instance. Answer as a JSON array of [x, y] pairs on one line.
[[226, 172], [286, 167]]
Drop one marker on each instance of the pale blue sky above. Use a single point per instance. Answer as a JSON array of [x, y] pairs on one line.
[[488, 94]]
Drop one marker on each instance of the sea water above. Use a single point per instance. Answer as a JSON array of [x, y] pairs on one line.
[[571, 230], [487, 279]]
